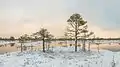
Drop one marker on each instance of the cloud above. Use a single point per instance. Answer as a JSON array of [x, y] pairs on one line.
[[28, 16], [101, 32]]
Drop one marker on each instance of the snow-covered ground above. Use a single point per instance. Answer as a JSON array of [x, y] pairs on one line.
[[60, 57]]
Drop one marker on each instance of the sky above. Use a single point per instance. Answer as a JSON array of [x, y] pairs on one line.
[[18, 17]]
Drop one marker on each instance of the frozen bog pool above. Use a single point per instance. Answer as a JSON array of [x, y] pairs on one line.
[[60, 57]]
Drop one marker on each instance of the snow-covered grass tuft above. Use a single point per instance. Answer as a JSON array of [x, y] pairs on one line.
[[59, 57]]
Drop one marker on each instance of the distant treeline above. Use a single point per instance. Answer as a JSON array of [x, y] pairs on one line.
[[60, 39], [89, 39]]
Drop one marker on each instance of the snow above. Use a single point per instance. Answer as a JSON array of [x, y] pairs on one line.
[[60, 57], [7, 42], [29, 43]]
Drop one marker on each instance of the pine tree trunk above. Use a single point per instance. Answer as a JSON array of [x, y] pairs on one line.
[[84, 43], [98, 48], [66, 42], [43, 45], [75, 44], [76, 37], [21, 47], [31, 47], [48, 46], [89, 47]]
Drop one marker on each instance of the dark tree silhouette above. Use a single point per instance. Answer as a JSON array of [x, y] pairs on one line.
[[23, 39], [66, 37], [49, 39], [12, 38], [77, 26], [43, 34], [85, 35]]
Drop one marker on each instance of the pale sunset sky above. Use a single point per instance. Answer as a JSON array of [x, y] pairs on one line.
[[18, 17]]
